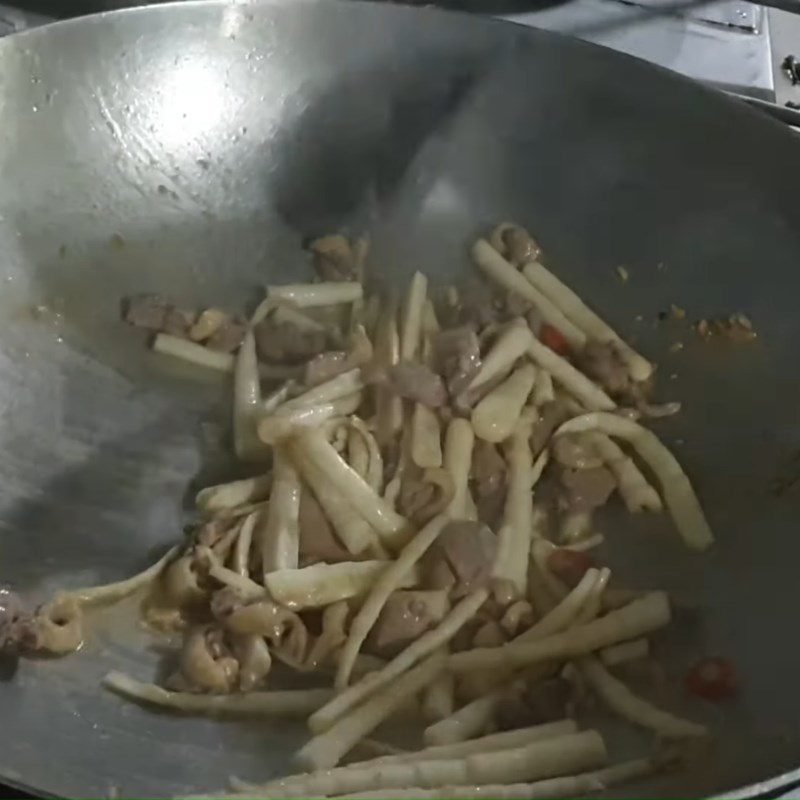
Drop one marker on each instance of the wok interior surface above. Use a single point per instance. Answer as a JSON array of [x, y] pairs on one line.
[[189, 149]]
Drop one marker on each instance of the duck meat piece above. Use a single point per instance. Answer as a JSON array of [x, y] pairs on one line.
[[334, 259], [284, 343], [569, 566], [601, 362], [178, 322], [153, 313], [317, 541], [404, 618], [17, 630], [461, 558], [228, 337], [514, 243], [457, 357], [147, 311], [585, 489], [416, 382], [479, 305]]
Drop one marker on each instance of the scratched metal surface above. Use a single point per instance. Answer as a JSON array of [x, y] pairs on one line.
[[189, 149]]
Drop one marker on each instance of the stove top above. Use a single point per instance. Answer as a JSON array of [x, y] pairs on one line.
[[725, 43]]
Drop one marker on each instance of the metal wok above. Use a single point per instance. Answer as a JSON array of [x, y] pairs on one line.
[[189, 149]]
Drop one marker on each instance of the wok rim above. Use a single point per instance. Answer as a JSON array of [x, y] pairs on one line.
[[781, 781]]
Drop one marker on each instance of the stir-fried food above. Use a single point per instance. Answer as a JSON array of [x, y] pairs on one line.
[[425, 475]]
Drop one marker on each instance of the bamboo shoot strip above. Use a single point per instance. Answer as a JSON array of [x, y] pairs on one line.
[[384, 586], [321, 584], [492, 264], [278, 704], [678, 493], [530, 760], [214, 360], [569, 786], [620, 699], [390, 526], [467, 722], [112, 592], [426, 644], [226, 496], [327, 749], [584, 318], [311, 295], [639, 617]]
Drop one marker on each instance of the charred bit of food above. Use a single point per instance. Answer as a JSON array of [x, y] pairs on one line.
[[737, 327]]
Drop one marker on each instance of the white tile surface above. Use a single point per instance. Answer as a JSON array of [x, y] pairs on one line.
[[785, 30]]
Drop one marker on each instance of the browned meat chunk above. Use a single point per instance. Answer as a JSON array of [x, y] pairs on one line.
[[569, 566], [461, 558], [284, 343], [457, 357], [317, 541], [416, 382], [422, 498], [515, 243], [146, 311], [602, 363], [334, 259], [153, 313], [405, 617], [479, 306], [177, 322], [228, 337], [737, 327], [17, 631], [585, 489]]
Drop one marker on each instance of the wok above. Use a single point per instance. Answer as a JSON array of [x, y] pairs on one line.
[[189, 149]]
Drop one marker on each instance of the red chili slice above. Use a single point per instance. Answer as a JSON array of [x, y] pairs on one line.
[[713, 679], [554, 339], [569, 565]]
